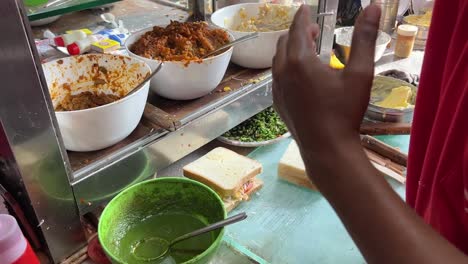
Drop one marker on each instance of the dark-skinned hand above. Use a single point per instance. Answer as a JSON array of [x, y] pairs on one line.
[[322, 107]]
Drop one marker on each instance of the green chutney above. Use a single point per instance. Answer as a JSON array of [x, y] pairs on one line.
[[146, 233]]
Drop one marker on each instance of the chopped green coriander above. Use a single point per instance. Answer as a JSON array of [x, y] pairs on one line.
[[266, 125]]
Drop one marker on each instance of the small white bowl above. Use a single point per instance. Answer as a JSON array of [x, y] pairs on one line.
[[257, 53], [103, 126], [344, 36], [178, 81]]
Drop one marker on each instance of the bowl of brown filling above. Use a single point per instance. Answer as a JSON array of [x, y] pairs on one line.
[[181, 45], [87, 94]]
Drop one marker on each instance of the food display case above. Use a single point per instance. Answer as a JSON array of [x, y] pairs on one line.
[[57, 188]]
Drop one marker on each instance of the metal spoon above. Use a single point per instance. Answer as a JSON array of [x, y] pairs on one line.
[[165, 245], [109, 18], [232, 43], [144, 80]]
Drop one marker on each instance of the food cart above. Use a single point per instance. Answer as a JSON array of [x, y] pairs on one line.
[[170, 134]]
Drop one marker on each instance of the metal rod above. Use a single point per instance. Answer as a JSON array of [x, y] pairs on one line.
[[145, 80], [220, 224], [232, 43]]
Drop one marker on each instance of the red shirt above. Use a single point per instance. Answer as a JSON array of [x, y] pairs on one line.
[[437, 184]]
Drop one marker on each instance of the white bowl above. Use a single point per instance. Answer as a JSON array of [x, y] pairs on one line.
[[256, 53], [178, 81], [345, 34], [103, 126]]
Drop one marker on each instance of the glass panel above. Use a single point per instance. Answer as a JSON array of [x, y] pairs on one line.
[[38, 10]]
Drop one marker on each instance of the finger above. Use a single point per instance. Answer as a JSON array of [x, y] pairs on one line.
[[301, 18], [280, 56], [277, 97], [302, 35], [275, 92], [361, 59], [314, 31]]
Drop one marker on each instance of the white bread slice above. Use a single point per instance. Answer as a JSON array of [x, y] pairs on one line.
[[230, 204], [291, 168], [223, 170]]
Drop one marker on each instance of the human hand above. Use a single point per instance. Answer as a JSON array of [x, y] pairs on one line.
[[323, 108]]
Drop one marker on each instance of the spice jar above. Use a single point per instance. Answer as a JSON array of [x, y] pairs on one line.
[[14, 248], [406, 35]]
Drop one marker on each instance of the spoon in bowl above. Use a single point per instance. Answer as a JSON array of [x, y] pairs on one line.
[[163, 246], [145, 80], [230, 44]]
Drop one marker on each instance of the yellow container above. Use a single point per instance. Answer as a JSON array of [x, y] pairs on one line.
[[406, 35]]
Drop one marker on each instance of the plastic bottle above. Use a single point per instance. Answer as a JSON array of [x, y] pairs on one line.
[[67, 39], [406, 35], [82, 46], [14, 248]]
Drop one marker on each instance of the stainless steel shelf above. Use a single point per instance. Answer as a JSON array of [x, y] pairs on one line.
[[56, 186], [164, 148], [150, 148]]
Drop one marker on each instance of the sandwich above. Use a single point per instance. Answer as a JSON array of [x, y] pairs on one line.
[[291, 168], [231, 175]]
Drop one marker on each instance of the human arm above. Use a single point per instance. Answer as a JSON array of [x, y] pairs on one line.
[[323, 109]]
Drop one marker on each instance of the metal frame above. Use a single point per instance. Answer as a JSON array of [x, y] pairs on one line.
[[28, 124], [327, 25], [168, 148]]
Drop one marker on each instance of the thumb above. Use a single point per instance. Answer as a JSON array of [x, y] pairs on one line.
[[361, 59]]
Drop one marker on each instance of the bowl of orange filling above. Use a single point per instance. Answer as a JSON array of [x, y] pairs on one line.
[[88, 93], [181, 46]]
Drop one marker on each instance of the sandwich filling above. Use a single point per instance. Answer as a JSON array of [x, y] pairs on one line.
[[247, 186], [242, 194]]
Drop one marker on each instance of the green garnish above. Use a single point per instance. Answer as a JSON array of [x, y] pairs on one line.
[[266, 125]]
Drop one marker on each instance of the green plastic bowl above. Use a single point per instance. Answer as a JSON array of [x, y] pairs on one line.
[[154, 197]]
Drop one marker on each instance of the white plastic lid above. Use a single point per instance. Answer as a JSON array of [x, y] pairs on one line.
[[12, 242], [407, 30]]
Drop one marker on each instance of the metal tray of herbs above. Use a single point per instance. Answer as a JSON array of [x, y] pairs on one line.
[[263, 129], [253, 144]]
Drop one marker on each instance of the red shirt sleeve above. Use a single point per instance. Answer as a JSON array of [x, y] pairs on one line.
[[437, 184]]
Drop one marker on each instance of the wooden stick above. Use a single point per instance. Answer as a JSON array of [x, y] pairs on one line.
[[160, 118], [385, 150], [385, 128], [385, 162], [390, 173], [81, 259], [92, 236], [77, 256]]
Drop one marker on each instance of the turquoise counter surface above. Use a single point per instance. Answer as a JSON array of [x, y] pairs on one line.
[[291, 224]]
